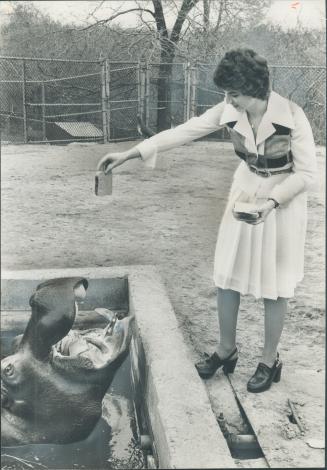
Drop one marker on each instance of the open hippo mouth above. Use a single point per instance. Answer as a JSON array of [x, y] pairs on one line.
[[99, 347], [55, 365]]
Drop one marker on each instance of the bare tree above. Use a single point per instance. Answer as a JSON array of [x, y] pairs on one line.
[[164, 30], [166, 39], [168, 43], [203, 20]]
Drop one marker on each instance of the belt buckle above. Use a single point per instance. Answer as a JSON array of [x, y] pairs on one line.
[[264, 173]]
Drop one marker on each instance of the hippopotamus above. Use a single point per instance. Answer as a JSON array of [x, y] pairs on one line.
[[53, 383]]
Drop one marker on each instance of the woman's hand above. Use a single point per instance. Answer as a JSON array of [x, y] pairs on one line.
[[263, 210], [111, 160]]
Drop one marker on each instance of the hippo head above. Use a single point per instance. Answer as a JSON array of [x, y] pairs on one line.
[[51, 394]]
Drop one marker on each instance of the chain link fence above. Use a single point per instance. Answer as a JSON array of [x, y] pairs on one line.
[[43, 100], [163, 92], [123, 96], [306, 86], [37, 94], [58, 101]]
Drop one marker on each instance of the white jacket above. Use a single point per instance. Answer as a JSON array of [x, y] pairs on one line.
[[279, 111]]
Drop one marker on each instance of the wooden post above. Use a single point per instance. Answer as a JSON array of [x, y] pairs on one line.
[[107, 90], [44, 135], [24, 102], [103, 102]]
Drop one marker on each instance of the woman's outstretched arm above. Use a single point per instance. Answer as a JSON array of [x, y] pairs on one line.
[[147, 150], [111, 160]]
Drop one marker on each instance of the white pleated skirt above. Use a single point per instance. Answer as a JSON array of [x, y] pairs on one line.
[[264, 260]]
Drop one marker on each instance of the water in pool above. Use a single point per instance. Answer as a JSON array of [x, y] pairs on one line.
[[113, 443]]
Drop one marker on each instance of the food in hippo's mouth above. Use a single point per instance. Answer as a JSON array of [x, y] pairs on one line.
[[58, 375]]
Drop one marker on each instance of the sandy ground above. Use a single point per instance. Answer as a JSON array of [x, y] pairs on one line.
[[167, 217]]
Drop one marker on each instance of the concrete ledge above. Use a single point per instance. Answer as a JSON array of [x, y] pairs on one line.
[[185, 431], [113, 294]]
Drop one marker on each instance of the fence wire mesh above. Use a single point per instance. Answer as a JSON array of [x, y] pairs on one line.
[[207, 95], [306, 86], [38, 94], [165, 91], [123, 100], [44, 100]]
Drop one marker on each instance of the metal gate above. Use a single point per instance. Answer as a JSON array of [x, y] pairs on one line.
[[58, 101]]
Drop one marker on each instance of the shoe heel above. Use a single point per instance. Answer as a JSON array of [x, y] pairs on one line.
[[229, 367], [278, 374]]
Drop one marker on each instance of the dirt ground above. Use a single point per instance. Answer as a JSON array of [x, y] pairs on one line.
[[167, 217]]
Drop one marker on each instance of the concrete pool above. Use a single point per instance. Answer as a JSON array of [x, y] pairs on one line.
[[175, 422]]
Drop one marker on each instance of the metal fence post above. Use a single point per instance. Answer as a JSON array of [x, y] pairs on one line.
[[103, 101], [24, 101], [143, 91], [147, 93], [186, 68], [140, 89], [107, 91], [44, 135], [193, 85]]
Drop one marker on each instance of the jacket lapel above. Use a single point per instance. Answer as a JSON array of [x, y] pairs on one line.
[[265, 129], [278, 112], [242, 125]]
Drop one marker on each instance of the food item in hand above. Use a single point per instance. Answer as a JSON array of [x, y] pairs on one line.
[[246, 211], [103, 183]]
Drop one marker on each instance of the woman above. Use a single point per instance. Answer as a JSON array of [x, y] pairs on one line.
[[263, 256]]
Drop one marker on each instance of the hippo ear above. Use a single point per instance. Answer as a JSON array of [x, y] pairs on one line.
[[53, 314]]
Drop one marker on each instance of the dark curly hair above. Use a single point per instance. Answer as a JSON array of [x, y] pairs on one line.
[[245, 71]]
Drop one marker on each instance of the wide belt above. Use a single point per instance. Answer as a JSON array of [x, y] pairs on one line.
[[265, 172], [265, 166]]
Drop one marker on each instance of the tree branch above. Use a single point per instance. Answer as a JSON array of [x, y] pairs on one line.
[[112, 17], [182, 14], [91, 14], [220, 14], [160, 18], [206, 15]]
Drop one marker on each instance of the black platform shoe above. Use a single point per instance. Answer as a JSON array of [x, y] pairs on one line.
[[210, 364], [264, 376]]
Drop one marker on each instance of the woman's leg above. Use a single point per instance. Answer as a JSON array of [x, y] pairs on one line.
[[228, 305], [275, 311]]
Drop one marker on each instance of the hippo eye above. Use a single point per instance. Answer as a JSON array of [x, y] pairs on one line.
[[9, 370]]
